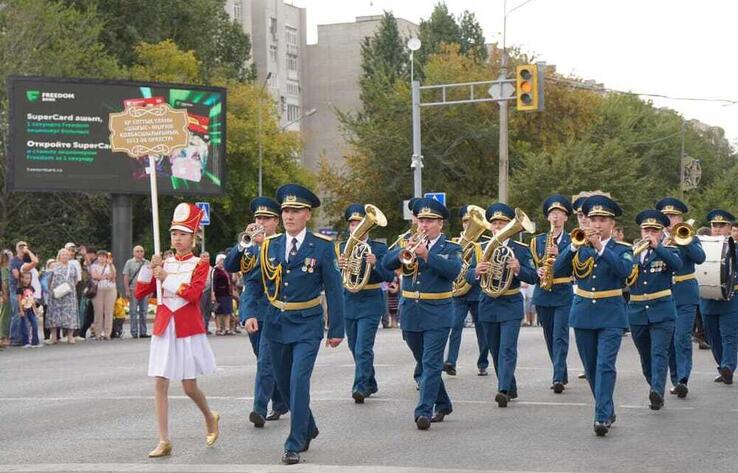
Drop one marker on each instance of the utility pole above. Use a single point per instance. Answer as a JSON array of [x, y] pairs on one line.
[[503, 164], [417, 158], [681, 164]]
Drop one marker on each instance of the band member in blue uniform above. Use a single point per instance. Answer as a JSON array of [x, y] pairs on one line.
[[686, 293], [500, 316], [466, 304], [364, 309], [253, 302], [600, 267], [295, 267], [721, 317], [426, 309], [554, 304], [651, 308]]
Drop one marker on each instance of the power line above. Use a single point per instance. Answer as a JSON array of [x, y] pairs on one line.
[[579, 85]]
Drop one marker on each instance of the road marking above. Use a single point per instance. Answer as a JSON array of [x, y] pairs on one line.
[[164, 466]]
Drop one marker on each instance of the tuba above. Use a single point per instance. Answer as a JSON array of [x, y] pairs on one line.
[[245, 238], [355, 275], [468, 241], [499, 278]]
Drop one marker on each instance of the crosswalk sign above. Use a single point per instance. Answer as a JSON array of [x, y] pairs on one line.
[[205, 207], [438, 196]]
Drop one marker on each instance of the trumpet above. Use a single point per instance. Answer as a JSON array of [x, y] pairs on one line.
[[407, 255], [246, 238], [683, 233], [640, 245], [579, 236]]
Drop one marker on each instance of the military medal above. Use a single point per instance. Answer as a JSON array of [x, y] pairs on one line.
[[305, 265], [311, 262]]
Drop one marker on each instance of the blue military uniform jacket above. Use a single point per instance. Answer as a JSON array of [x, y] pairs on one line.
[[713, 306], [609, 272], [505, 307], [561, 293], [370, 301], [652, 276], [311, 271], [437, 275], [252, 300], [688, 291]]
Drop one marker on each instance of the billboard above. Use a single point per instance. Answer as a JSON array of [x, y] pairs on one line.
[[78, 135]]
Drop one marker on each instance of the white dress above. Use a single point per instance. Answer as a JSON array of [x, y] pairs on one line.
[[171, 357]]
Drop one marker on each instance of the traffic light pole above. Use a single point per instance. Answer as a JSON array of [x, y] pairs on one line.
[[416, 163], [502, 184]]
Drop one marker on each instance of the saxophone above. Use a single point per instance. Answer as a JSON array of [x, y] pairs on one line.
[[547, 265]]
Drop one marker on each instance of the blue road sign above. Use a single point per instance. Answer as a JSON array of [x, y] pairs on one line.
[[205, 207], [439, 196]]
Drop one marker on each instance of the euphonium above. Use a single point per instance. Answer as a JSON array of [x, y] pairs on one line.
[[476, 228], [245, 238], [683, 233], [355, 274], [407, 255], [498, 279], [546, 282]]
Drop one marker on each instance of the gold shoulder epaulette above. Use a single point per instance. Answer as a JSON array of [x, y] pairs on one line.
[[322, 237], [453, 243], [624, 243], [273, 236]]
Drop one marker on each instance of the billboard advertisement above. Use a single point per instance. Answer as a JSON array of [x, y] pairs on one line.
[[80, 135]]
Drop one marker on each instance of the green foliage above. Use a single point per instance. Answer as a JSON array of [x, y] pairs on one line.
[[202, 26], [442, 28], [584, 140]]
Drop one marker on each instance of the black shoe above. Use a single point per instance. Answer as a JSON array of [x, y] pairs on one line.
[[275, 415], [704, 346], [438, 417], [513, 394], [718, 379], [146, 335], [358, 397], [657, 401], [257, 419], [582, 376], [482, 372], [601, 429], [502, 399], [680, 390], [310, 439], [558, 387], [423, 423], [611, 420], [449, 369], [727, 375], [290, 458]]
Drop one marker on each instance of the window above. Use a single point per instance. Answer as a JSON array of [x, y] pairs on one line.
[[292, 63], [273, 28], [293, 113], [273, 53], [291, 36], [237, 9], [293, 88]]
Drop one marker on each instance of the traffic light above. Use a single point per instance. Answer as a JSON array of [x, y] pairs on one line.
[[529, 87]]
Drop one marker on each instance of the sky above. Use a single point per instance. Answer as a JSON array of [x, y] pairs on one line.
[[677, 48]]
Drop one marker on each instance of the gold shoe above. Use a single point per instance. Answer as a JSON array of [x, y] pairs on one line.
[[164, 449], [213, 436]]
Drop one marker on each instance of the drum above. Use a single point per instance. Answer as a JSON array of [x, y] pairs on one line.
[[716, 276]]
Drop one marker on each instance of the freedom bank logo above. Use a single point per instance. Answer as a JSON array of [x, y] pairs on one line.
[[35, 95]]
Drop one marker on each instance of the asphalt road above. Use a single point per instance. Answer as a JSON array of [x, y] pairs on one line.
[[89, 407]]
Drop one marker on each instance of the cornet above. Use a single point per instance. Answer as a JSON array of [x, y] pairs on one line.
[[246, 238], [640, 245], [407, 255], [579, 236]]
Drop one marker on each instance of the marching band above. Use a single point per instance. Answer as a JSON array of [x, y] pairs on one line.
[[585, 280]]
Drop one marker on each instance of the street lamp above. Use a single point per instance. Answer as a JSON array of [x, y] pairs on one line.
[[261, 137], [309, 113], [416, 161]]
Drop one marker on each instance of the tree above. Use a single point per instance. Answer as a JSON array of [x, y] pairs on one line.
[[472, 37], [165, 62], [202, 26], [39, 37]]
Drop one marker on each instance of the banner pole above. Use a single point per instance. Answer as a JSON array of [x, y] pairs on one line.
[[155, 217]]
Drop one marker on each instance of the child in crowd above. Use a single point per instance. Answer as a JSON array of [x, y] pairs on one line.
[[28, 312], [119, 316]]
